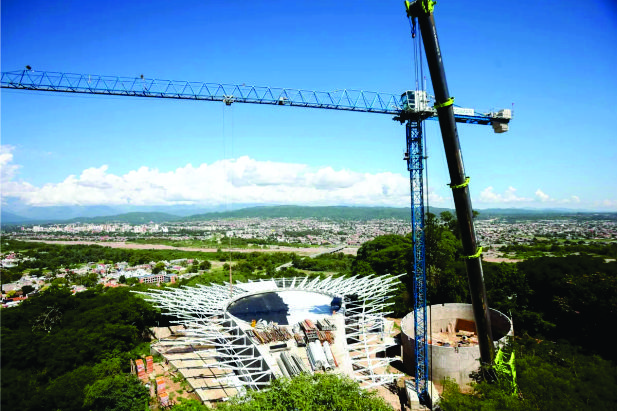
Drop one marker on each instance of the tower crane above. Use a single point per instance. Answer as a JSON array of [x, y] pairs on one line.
[[412, 108]]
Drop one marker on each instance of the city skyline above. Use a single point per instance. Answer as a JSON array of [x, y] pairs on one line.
[[93, 150]]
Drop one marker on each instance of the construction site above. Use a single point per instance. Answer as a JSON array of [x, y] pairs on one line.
[[333, 325], [236, 337]]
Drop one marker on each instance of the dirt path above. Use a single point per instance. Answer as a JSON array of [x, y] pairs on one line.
[[133, 246]]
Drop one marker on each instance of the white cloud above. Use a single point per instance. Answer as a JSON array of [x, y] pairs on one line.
[[241, 180], [8, 173], [542, 196], [7, 170], [436, 199], [509, 196], [489, 196], [606, 204]]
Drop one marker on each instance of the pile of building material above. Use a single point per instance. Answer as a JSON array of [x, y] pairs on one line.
[[291, 365], [326, 336], [462, 334], [279, 347], [300, 340], [141, 370], [329, 354], [326, 325], [271, 333], [317, 357], [310, 330]]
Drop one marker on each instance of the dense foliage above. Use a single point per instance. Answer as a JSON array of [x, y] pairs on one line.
[[550, 376], [338, 262], [445, 270], [570, 300], [54, 256], [540, 248], [57, 344], [67, 352], [319, 392]]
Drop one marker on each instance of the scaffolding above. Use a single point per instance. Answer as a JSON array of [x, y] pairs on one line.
[[215, 335]]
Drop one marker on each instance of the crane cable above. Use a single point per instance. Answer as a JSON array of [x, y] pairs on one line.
[[227, 154]]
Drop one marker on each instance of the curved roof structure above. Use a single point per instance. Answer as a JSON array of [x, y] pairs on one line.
[[220, 342]]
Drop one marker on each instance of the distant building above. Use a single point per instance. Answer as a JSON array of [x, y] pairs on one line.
[[158, 278]]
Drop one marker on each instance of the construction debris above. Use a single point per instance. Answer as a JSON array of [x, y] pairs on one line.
[[455, 337]]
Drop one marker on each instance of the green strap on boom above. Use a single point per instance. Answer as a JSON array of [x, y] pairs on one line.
[[447, 103], [462, 185], [426, 6], [477, 255], [507, 368]]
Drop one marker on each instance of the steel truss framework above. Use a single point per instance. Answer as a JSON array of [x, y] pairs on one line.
[[415, 159], [347, 100], [215, 334]]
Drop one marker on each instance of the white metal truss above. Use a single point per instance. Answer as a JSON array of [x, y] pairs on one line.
[[202, 310]]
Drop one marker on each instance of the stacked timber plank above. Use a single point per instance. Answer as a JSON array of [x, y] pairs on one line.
[[326, 336], [326, 325], [300, 340], [272, 333], [310, 330]]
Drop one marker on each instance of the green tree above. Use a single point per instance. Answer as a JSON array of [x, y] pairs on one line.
[[160, 266], [27, 289], [390, 254], [116, 393], [132, 281], [319, 392], [550, 376], [67, 391], [59, 282], [205, 265], [189, 405], [89, 280]]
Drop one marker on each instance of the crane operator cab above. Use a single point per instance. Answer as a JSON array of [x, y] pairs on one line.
[[415, 100]]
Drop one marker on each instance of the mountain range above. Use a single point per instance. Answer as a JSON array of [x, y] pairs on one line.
[[100, 215]]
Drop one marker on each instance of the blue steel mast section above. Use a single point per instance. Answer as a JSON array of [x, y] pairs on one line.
[[415, 158]]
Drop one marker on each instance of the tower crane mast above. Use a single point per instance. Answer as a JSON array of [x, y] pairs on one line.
[[411, 108]]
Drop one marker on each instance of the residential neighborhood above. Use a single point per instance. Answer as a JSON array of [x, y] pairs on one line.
[[263, 233]]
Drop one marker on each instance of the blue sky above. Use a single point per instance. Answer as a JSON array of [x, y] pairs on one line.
[[555, 62]]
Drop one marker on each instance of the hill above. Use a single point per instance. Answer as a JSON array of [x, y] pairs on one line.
[[544, 214], [334, 212], [10, 218], [129, 218], [293, 211]]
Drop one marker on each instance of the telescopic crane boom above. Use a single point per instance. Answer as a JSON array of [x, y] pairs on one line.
[[422, 11]]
